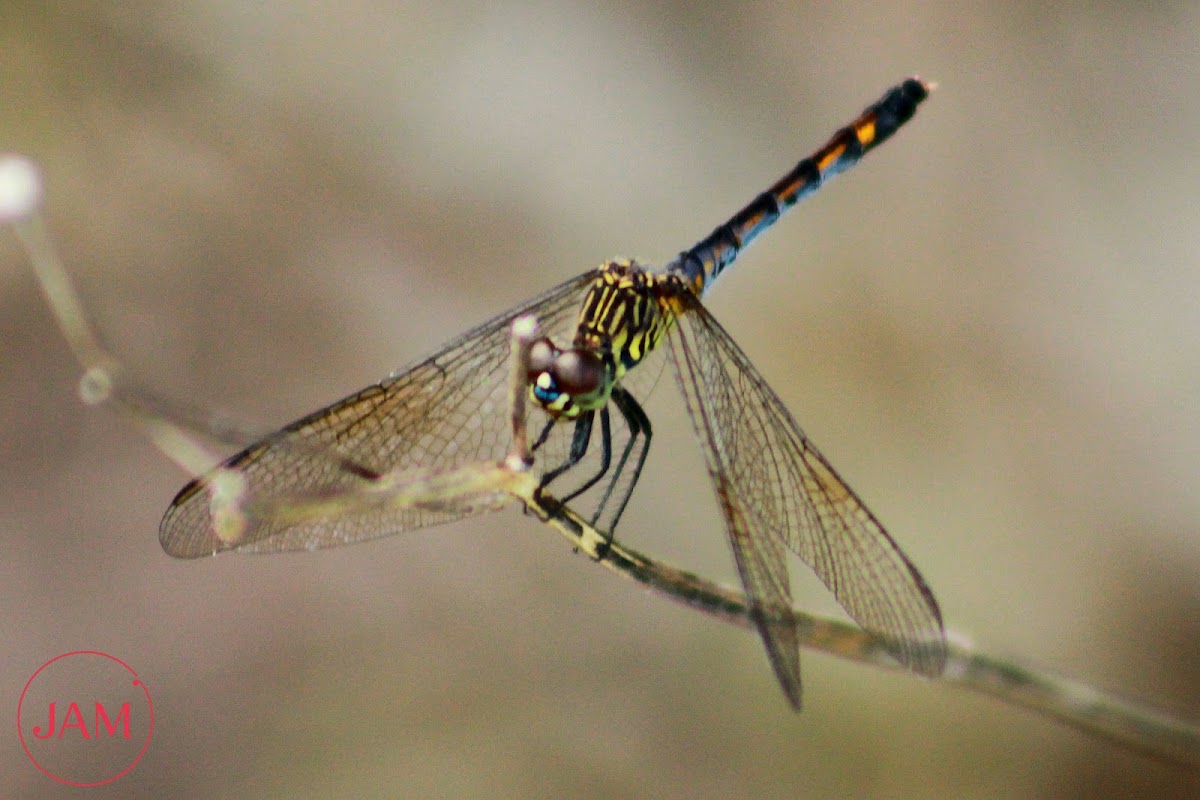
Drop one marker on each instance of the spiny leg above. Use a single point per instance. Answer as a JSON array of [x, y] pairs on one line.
[[639, 424], [635, 431], [544, 435], [605, 456], [579, 447]]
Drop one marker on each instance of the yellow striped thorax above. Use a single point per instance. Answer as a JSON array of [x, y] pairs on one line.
[[624, 316]]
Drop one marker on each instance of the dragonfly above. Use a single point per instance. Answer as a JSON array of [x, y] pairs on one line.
[[615, 326]]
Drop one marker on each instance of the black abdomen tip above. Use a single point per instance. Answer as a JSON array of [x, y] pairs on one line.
[[915, 89]]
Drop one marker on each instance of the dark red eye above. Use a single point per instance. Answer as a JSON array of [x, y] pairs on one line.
[[578, 372], [542, 355]]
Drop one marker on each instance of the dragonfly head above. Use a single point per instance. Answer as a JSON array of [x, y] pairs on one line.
[[565, 382]]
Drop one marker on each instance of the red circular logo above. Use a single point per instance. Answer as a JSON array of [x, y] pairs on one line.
[[85, 718]]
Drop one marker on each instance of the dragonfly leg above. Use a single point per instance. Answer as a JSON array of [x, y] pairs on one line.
[[605, 456], [639, 427], [544, 435], [579, 447]]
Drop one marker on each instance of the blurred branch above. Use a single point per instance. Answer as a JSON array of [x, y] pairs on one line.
[[172, 428], [1134, 725]]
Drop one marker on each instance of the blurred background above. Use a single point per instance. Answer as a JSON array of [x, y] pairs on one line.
[[991, 327]]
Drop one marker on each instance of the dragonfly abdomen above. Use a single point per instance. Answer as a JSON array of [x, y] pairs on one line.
[[708, 258]]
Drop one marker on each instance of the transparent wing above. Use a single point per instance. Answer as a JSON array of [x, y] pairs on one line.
[[776, 490], [441, 413]]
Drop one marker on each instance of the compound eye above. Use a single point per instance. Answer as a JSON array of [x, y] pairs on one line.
[[578, 372], [542, 355]]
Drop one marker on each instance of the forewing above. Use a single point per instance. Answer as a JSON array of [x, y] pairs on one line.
[[777, 490], [446, 411]]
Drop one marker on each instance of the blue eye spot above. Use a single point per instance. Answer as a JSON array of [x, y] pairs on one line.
[[545, 389]]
